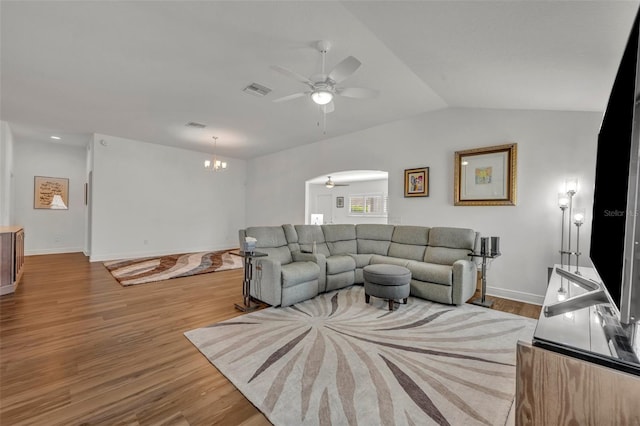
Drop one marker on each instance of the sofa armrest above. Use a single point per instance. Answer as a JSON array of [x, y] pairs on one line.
[[317, 258], [465, 275], [266, 284]]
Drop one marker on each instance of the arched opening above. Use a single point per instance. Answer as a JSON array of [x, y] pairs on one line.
[[351, 196]]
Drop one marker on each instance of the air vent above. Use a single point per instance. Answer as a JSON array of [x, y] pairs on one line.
[[256, 89], [196, 125]]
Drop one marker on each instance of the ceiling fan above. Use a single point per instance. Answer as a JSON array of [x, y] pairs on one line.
[[330, 184], [323, 87]]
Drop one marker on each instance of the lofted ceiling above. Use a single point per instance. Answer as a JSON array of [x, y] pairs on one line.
[[143, 69]]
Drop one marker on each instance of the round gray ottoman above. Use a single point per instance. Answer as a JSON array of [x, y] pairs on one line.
[[389, 282]]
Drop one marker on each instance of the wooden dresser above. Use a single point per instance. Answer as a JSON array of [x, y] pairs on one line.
[[11, 257]]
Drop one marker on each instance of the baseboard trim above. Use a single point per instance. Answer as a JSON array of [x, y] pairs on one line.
[[59, 250], [7, 289], [519, 296]]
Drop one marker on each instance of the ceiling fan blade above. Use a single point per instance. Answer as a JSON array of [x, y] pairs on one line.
[[357, 92], [289, 97], [293, 75], [344, 69], [329, 108]]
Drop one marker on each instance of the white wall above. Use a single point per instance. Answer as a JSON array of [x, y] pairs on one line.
[[6, 174], [150, 199], [341, 215], [49, 231], [551, 147]]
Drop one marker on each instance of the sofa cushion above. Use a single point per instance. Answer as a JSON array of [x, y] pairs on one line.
[[407, 251], [414, 235], [446, 245], [342, 232], [374, 238], [340, 263], [376, 258], [299, 272], [362, 260], [267, 236], [278, 254], [307, 234], [430, 272], [292, 237], [458, 238], [374, 231], [271, 240], [341, 239]]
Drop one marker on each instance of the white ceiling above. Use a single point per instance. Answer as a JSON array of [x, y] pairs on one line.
[[143, 69]]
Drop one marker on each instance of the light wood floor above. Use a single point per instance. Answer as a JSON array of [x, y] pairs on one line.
[[78, 348]]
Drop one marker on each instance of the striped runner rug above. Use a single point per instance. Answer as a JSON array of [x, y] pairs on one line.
[[335, 360], [150, 269]]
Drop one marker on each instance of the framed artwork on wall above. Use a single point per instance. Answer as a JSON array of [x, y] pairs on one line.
[[416, 182], [339, 202], [485, 176], [51, 193]]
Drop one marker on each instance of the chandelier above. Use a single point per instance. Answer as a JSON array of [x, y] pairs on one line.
[[215, 164]]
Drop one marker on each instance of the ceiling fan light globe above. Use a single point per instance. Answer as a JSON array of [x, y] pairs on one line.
[[321, 97]]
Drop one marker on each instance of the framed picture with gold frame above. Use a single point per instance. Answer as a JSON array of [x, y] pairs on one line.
[[486, 176], [416, 182]]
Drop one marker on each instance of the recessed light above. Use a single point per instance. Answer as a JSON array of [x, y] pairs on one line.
[[55, 137]]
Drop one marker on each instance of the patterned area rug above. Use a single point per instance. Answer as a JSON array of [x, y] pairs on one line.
[[336, 360], [138, 271]]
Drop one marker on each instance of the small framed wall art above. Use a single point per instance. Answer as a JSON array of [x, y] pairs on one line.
[[485, 176], [340, 202], [51, 193], [416, 182]]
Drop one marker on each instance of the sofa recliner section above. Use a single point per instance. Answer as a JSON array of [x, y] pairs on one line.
[[438, 258]]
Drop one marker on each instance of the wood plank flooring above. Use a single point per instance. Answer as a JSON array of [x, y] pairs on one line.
[[77, 348]]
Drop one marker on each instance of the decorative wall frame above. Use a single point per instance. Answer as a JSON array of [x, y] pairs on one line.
[[416, 182], [50, 193], [486, 176], [340, 202]]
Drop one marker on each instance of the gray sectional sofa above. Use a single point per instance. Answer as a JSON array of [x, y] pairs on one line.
[[438, 259]]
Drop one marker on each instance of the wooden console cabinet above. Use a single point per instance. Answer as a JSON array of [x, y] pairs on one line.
[[582, 366], [556, 389], [11, 257]]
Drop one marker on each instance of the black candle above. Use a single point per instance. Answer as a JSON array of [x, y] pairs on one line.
[[484, 242], [495, 246]]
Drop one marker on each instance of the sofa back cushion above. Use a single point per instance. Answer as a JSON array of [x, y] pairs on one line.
[[292, 237], [307, 234], [271, 240], [341, 239], [374, 238], [446, 245], [409, 242]]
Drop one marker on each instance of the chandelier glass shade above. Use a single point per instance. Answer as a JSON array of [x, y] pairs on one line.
[[215, 164]]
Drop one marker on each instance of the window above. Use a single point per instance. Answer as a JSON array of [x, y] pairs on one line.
[[368, 205]]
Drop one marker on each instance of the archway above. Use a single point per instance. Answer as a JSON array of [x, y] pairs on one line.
[[350, 196]]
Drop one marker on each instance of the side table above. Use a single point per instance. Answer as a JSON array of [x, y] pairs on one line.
[[482, 301], [246, 305]]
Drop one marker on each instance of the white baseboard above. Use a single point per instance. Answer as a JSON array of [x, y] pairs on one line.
[[57, 250], [519, 296], [7, 289]]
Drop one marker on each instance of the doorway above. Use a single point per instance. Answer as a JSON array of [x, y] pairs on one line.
[[336, 194]]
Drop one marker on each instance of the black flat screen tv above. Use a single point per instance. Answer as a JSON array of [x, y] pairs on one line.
[[614, 250]]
